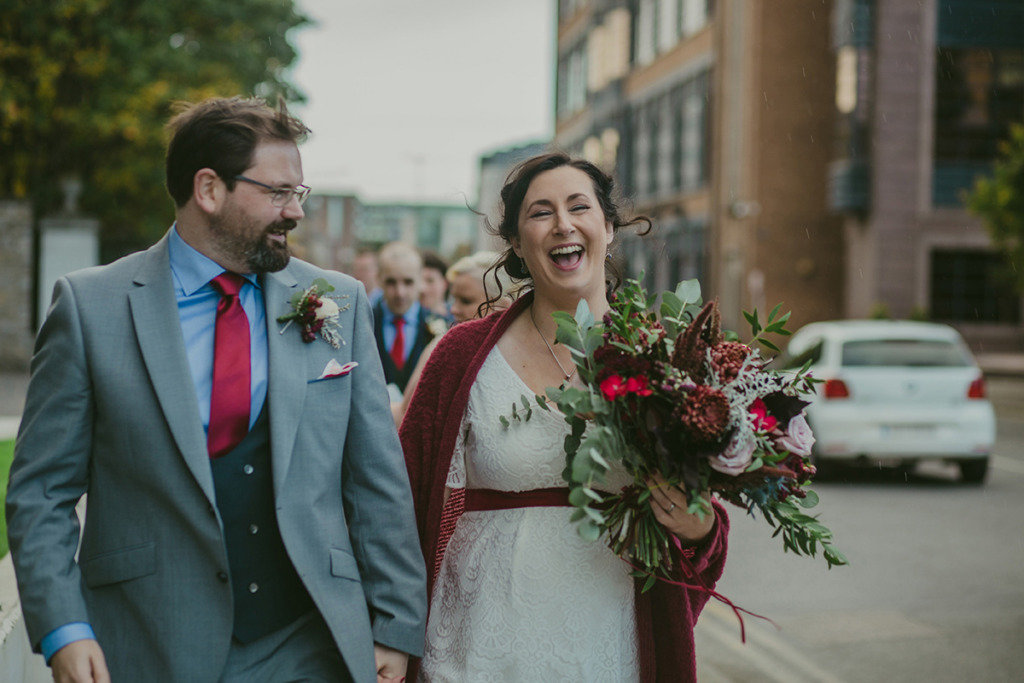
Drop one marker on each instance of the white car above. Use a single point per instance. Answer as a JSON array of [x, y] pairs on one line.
[[895, 392]]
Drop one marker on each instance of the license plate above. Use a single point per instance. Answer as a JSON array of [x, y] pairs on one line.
[[909, 431]]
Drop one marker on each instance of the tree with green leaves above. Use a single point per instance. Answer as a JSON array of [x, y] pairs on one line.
[[86, 87], [998, 200]]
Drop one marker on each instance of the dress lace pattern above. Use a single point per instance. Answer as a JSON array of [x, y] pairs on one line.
[[520, 596]]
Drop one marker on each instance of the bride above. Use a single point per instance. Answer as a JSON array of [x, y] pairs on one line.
[[516, 594]]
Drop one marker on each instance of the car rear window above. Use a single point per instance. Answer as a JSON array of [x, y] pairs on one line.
[[904, 353]]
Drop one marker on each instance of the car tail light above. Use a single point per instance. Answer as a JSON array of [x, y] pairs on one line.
[[977, 388], [836, 388]]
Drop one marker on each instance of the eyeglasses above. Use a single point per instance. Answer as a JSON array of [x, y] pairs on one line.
[[280, 196]]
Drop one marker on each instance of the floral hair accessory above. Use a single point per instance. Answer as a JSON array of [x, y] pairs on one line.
[[316, 313]]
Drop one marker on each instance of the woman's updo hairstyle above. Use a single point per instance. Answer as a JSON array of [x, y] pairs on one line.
[[514, 192]]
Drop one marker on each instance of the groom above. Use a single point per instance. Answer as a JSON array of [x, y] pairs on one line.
[[248, 515]]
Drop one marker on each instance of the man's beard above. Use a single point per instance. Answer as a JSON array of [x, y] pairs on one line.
[[260, 254]]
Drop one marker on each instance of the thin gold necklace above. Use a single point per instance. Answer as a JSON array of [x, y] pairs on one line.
[[568, 375]]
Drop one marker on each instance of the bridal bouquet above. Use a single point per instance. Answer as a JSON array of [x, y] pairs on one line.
[[672, 394]]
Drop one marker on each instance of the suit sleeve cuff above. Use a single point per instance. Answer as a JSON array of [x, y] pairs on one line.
[[65, 635]]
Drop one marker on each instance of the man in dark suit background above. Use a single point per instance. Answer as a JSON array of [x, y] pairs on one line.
[[400, 323]]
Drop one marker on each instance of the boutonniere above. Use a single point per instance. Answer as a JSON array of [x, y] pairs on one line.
[[437, 326], [316, 313]]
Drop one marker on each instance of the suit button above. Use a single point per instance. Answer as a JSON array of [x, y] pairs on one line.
[[248, 469], [253, 587], [253, 529], [222, 576]]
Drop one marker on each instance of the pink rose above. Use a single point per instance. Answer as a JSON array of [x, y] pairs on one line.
[[798, 438], [734, 460]]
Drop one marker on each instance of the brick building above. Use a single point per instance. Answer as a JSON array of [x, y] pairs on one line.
[[803, 151]]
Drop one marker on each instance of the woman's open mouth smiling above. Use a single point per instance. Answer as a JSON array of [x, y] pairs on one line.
[[566, 256]]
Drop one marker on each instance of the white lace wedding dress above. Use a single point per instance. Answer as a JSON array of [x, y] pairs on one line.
[[520, 596]]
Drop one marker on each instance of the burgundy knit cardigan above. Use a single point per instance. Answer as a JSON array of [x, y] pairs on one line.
[[665, 614]]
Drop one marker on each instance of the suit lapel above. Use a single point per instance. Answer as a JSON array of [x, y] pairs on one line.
[[286, 383], [155, 316]]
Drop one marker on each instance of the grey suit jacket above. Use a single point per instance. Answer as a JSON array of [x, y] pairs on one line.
[[111, 411]]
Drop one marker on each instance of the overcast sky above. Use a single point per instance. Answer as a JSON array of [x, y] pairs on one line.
[[404, 95]]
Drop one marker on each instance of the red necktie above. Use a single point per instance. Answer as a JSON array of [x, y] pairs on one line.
[[398, 346], [230, 396]]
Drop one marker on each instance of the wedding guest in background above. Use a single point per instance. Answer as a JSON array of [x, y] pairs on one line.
[[401, 324], [434, 295], [516, 593], [469, 289], [364, 269], [469, 294], [247, 511]]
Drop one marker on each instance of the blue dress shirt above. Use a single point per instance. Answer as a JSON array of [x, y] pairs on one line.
[[411, 318], [191, 273]]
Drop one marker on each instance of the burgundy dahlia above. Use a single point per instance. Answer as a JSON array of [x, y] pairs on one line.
[[704, 413]]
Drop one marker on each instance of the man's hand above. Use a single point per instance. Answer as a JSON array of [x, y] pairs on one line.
[[391, 664], [81, 662]]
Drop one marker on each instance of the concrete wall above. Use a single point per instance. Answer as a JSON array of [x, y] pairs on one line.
[[16, 333]]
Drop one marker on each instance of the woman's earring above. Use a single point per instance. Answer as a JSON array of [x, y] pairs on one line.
[[608, 255]]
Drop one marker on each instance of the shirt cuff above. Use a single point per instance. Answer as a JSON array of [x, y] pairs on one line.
[[65, 635]]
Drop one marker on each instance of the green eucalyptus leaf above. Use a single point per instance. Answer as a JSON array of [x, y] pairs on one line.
[[589, 531], [596, 516], [578, 497], [688, 291], [809, 500], [583, 316]]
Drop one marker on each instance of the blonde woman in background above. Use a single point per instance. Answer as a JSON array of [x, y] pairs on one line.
[[468, 291]]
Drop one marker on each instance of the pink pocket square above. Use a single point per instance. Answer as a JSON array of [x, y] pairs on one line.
[[335, 369]]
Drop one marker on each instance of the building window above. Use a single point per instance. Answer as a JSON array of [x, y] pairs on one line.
[[671, 141], [970, 286], [683, 252], [979, 89], [645, 37], [668, 24], [693, 135], [666, 132], [979, 93], [693, 16], [642, 144], [572, 81]]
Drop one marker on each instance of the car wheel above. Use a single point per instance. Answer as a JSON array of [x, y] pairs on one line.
[[973, 471]]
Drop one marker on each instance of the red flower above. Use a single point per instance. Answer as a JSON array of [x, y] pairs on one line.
[[638, 386], [612, 387], [705, 413], [762, 420]]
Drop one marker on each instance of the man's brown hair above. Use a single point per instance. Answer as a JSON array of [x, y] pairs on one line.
[[222, 134]]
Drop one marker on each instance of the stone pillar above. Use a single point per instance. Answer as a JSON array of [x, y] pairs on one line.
[[67, 242], [65, 245], [16, 333]]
